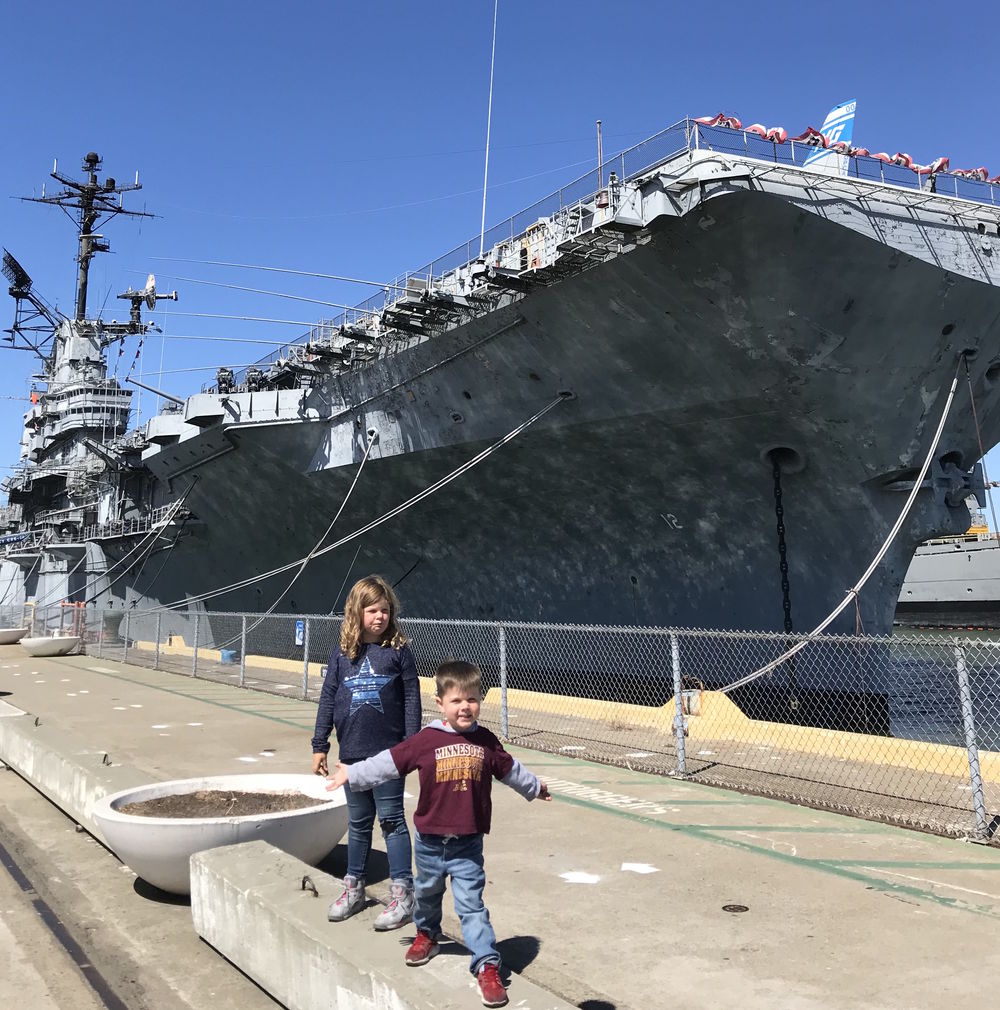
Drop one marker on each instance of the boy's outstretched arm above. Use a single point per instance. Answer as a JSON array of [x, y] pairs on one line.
[[526, 783], [365, 774]]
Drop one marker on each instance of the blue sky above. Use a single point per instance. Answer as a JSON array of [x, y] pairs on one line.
[[348, 139]]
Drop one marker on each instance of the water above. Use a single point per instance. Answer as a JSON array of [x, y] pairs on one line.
[[921, 681]]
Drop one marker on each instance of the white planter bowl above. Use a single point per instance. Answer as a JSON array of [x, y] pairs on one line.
[[50, 645], [158, 848], [10, 636]]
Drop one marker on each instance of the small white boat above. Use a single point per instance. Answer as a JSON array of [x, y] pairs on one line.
[[51, 645], [9, 636]]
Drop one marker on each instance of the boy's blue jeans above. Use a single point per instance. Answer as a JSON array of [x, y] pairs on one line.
[[461, 858], [385, 800]]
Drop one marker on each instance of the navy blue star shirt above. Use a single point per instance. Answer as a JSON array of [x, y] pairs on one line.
[[374, 702]]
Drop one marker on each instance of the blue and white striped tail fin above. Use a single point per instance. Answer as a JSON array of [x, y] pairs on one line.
[[837, 127]]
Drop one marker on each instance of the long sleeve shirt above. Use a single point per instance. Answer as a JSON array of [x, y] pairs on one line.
[[373, 701], [456, 773]]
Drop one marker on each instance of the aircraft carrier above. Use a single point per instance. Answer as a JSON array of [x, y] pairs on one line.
[[718, 370]]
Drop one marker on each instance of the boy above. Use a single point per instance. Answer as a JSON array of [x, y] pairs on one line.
[[457, 760]]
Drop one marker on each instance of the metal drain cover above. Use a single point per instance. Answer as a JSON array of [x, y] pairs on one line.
[[735, 908]]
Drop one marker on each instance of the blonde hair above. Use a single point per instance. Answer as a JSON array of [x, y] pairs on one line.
[[364, 593], [456, 673]]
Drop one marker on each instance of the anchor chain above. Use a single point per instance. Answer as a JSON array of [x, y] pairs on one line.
[[779, 511], [786, 599]]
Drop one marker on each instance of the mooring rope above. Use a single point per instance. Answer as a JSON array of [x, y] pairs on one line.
[[391, 514], [852, 593], [372, 436]]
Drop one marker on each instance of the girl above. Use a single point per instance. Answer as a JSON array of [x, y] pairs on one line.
[[372, 695]]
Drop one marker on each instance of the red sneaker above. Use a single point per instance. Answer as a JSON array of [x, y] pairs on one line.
[[490, 986], [423, 948]]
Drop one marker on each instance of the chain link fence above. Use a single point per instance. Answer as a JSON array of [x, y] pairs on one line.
[[903, 729]]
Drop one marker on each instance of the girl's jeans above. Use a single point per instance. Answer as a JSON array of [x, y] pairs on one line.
[[387, 801], [461, 858]]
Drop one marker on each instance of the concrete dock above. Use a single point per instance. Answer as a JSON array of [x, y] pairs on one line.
[[624, 893]]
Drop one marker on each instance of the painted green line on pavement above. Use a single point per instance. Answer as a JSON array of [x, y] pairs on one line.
[[914, 864], [706, 833]]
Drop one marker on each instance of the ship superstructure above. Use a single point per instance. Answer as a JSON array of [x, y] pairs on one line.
[[81, 481], [745, 360]]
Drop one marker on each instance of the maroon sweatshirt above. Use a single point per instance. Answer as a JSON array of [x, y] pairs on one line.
[[456, 776]]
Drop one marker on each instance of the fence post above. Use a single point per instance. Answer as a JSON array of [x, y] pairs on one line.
[[675, 662], [128, 615], [194, 651], [968, 721], [305, 662], [243, 652], [156, 654], [504, 725]]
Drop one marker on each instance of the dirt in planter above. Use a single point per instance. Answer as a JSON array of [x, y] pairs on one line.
[[219, 803]]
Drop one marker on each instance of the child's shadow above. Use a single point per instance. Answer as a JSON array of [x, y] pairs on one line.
[[518, 952], [335, 863]]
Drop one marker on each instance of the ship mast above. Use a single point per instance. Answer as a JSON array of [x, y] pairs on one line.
[[94, 203]]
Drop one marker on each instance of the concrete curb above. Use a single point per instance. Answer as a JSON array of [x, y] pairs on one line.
[[63, 768], [249, 903]]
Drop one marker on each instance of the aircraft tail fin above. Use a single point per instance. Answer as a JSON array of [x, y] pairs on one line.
[[838, 128]]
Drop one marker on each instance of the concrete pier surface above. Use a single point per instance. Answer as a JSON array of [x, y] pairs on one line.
[[624, 893]]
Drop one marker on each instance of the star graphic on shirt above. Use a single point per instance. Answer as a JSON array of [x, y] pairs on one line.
[[365, 686]]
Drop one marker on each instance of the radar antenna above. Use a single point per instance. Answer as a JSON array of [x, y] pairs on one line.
[[32, 314], [89, 203]]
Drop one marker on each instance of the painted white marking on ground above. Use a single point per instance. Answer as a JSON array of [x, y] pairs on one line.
[[639, 868], [135, 706], [639, 754], [572, 748], [160, 725], [579, 877], [120, 708], [195, 724], [706, 753], [283, 687], [777, 845], [602, 797], [934, 883], [100, 669], [248, 760], [84, 691], [71, 694], [65, 680], [39, 681], [267, 753]]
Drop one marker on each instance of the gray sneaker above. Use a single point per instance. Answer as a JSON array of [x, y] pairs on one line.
[[399, 911], [351, 901]]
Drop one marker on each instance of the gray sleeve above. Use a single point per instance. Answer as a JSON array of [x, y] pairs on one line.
[[373, 771], [520, 780]]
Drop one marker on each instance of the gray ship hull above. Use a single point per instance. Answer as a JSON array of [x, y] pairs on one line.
[[645, 498], [954, 584], [687, 323]]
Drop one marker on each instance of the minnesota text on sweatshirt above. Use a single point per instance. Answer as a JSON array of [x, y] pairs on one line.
[[456, 777]]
